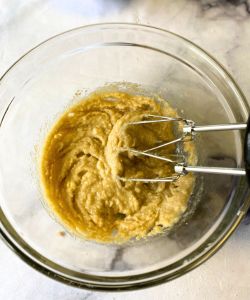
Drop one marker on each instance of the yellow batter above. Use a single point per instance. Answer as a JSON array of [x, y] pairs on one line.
[[84, 155]]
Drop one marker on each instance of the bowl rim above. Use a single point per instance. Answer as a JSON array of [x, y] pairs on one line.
[[100, 286]]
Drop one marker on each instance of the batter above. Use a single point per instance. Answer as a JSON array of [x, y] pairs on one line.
[[86, 152]]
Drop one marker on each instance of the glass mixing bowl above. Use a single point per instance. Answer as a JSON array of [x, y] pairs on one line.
[[37, 89]]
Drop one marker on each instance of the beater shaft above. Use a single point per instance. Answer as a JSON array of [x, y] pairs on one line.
[[220, 127], [210, 170]]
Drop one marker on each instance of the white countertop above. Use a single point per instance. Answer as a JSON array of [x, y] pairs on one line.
[[222, 30]]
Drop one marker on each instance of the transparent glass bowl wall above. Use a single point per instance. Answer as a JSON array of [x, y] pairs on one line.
[[44, 82]]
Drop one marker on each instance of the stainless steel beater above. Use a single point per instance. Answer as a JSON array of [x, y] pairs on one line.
[[189, 129]]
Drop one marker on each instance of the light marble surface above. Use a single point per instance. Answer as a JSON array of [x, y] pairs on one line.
[[222, 30]]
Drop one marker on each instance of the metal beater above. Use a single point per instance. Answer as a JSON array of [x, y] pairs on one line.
[[189, 129]]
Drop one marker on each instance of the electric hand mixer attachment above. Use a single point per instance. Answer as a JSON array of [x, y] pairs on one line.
[[188, 131]]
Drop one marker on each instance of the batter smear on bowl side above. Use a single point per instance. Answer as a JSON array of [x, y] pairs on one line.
[[84, 155]]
